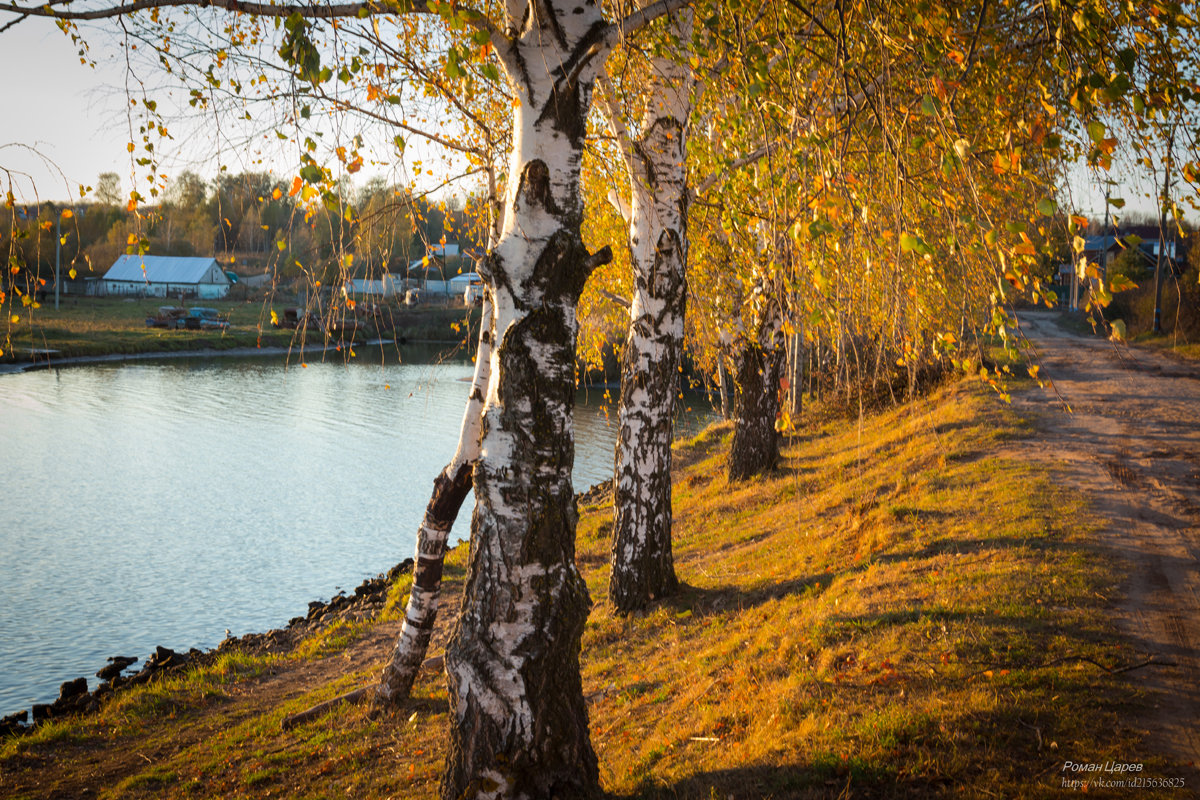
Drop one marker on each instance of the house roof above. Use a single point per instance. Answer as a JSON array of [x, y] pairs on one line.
[[164, 269], [1094, 243]]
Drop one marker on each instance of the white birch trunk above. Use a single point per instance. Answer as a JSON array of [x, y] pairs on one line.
[[642, 562], [519, 723], [450, 488]]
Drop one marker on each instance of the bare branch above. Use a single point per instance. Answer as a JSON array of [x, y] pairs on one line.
[[640, 19], [616, 298], [57, 9], [616, 123]]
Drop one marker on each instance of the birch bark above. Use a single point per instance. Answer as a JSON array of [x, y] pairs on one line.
[[755, 446], [519, 722], [450, 489], [642, 563]]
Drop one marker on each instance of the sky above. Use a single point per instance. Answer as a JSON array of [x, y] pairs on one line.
[[69, 114], [63, 123]]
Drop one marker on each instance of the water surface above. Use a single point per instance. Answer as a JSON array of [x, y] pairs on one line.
[[163, 502]]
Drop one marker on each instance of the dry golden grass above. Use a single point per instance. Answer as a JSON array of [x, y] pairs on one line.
[[904, 609]]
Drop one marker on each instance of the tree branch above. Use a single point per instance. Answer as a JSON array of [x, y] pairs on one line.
[[640, 19]]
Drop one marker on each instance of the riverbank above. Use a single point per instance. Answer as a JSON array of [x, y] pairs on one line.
[[909, 606], [91, 328]]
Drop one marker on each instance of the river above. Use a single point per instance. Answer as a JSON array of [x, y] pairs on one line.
[[162, 502]]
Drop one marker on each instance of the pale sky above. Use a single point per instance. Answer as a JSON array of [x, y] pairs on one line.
[[71, 114], [76, 119]]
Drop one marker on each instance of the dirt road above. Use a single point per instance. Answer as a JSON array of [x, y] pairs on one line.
[[1131, 442]]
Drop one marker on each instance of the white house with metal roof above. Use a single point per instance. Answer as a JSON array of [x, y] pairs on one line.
[[166, 276]]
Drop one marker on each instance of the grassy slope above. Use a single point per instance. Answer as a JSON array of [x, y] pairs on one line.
[[100, 326], [903, 609]]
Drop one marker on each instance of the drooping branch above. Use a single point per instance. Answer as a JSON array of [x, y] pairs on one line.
[[474, 18], [57, 9]]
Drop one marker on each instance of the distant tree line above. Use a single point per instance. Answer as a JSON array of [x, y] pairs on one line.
[[251, 222]]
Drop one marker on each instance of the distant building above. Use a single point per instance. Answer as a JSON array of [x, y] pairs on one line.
[[384, 286], [166, 276]]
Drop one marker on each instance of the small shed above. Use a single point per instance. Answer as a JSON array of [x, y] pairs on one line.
[[384, 286], [166, 276]]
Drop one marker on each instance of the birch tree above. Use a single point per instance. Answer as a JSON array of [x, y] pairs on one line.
[[655, 163], [519, 720]]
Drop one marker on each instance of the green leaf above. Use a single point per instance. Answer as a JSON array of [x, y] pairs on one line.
[[1116, 202], [1120, 283], [909, 242], [928, 108], [820, 227], [312, 173], [1096, 131], [1118, 330], [1046, 207]]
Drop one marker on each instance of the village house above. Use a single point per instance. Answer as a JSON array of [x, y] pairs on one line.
[[166, 276]]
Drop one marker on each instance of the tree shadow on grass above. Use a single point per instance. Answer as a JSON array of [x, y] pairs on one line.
[[1007, 749], [826, 776], [702, 601]]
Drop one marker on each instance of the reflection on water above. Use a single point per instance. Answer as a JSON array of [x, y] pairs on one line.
[[161, 503]]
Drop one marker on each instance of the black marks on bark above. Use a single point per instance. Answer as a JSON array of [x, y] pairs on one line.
[[534, 188], [566, 112], [449, 491], [755, 447], [643, 566], [562, 269], [548, 20], [513, 661]]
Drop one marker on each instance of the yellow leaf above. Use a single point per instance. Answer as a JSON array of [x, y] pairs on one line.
[[72, 273], [129, 147], [16, 318]]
